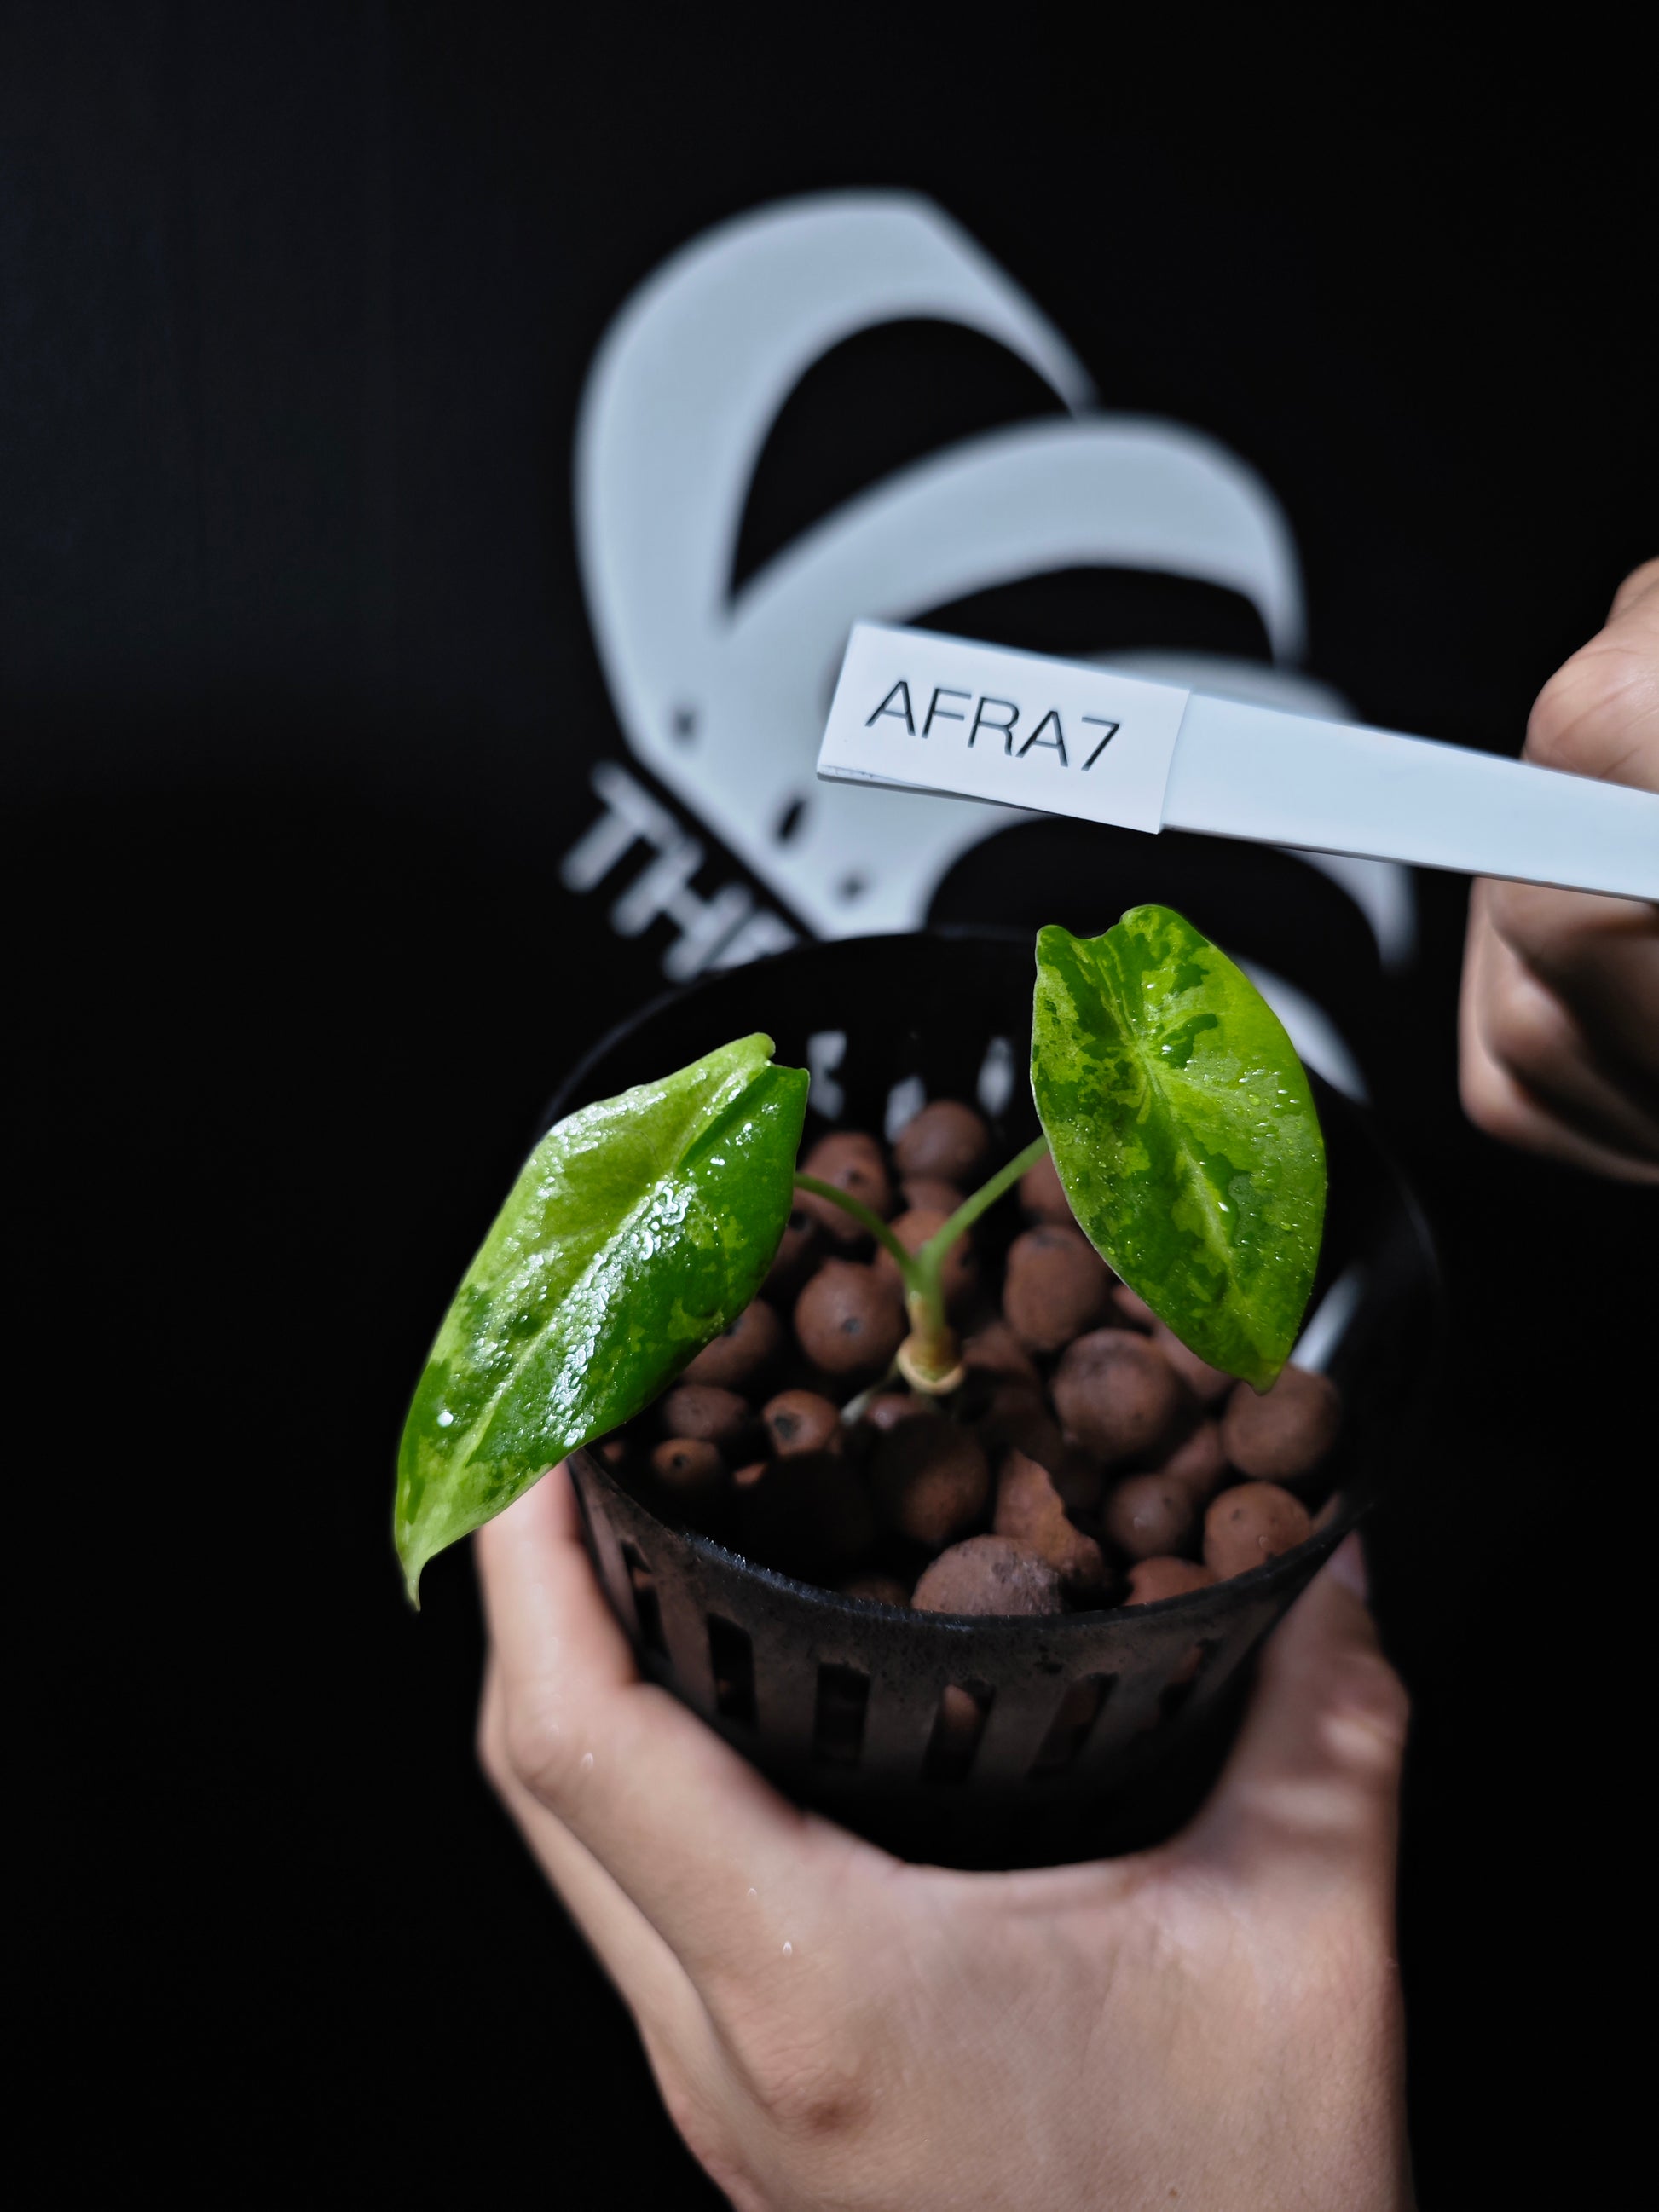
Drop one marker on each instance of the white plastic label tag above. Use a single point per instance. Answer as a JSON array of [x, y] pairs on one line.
[[941, 714]]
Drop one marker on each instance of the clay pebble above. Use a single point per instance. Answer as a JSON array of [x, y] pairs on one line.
[[1207, 1384], [703, 1410], [930, 1195], [988, 1575], [1284, 1432], [1148, 1514], [947, 1139], [1056, 1286], [957, 1276], [1198, 1464], [847, 1321], [796, 1256], [1251, 1524], [741, 1352], [691, 1466], [1119, 1396], [995, 1351], [1079, 1480], [958, 1725], [1018, 1413], [1029, 1509], [801, 1421], [877, 1590], [929, 1479], [806, 1516], [1152, 1579], [1041, 1193], [893, 1406], [853, 1162]]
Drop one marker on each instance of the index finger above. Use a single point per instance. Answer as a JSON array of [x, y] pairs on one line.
[[729, 1873]]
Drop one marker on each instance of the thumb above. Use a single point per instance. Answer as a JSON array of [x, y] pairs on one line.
[[1310, 1796]]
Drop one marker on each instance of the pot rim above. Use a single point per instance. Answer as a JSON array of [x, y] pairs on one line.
[[700, 986], [1350, 1511]]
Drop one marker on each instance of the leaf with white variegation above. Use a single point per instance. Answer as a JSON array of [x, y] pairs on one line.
[[638, 1229], [1183, 1129]]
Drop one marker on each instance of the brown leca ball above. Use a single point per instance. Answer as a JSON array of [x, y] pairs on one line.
[[801, 1421], [946, 1139], [929, 1479], [1251, 1524], [958, 1722], [1077, 1478], [796, 1256], [689, 1465], [847, 1321], [853, 1162], [1198, 1464], [1018, 1413], [995, 1351], [987, 1574], [891, 1408], [956, 1277], [1207, 1384], [1029, 1509], [877, 1590], [930, 1195], [740, 1353], [1131, 1308], [1284, 1432], [806, 1516], [1119, 1396], [698, 1409], [1041, 1193], [1152, 1579], [1055, 1287], [1148, 1516]]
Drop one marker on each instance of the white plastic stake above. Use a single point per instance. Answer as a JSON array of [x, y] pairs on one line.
[[927, 713]]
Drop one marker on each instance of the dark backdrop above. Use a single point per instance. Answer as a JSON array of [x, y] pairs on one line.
[[300, 702]]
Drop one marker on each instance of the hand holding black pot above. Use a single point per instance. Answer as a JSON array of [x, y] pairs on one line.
[[1215, 2023]]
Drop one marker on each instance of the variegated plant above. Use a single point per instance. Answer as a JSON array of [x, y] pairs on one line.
[[1180, 1123]]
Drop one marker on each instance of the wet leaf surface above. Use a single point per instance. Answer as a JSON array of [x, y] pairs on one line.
[[638, 1230], [1184, 1130]]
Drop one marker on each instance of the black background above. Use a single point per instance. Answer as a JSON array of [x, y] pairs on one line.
[[299, 706]]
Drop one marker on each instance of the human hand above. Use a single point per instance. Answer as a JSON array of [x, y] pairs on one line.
[[1215, 2024], [1559, 1031]]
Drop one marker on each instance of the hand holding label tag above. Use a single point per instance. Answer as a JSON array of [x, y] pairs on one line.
[[1053, 736]]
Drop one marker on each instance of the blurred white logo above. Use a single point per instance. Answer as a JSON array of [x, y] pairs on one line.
[[723, 694]]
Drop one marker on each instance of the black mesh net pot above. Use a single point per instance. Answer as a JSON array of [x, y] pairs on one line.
[[1096, 1730]]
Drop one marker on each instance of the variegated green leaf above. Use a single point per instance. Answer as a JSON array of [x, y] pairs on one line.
[[1183, 1129], [638, 1229]]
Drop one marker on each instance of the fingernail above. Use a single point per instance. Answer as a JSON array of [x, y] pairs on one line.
[[1347, 1567]]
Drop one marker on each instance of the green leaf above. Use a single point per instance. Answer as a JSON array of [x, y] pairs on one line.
[[1184, 1131], [638, 1229]]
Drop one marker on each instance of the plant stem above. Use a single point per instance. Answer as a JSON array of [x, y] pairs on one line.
[[854, 1409], [968, 1212], [928, 1359], [860, 1213]]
